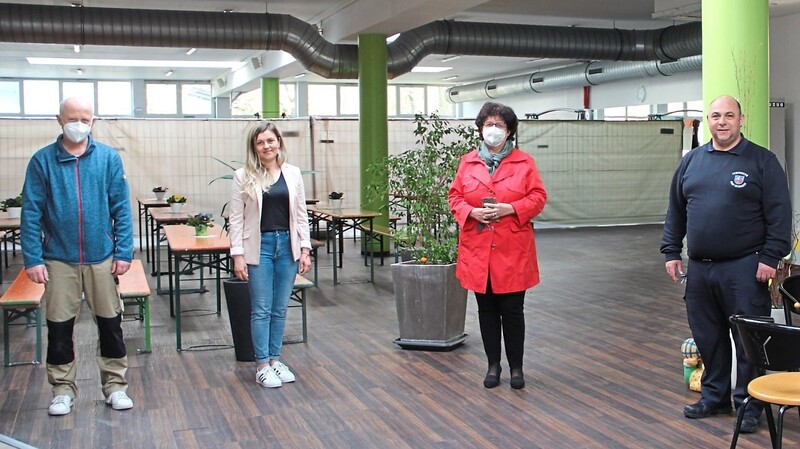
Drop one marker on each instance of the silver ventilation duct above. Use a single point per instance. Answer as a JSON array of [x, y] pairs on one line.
[[161, 28], [586, 74]]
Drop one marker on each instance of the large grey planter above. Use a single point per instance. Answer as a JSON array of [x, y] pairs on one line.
[[431, 306]]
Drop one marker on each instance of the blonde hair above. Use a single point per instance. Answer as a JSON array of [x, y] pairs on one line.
[[256, 176]]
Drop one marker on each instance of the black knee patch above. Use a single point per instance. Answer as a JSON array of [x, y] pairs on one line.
[[60, 350], [112, 345]]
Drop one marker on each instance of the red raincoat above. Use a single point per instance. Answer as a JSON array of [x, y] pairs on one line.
[[505, 249]]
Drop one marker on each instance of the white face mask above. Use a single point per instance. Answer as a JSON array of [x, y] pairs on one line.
[[77, 131], [493, 136]]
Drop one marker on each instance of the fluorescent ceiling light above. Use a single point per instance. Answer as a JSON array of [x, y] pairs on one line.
[[133, 63], [448, 78], [424, 69], [76, 48], [300, 75], [451, 58], [191, 51], [392, 38], [169, 73]]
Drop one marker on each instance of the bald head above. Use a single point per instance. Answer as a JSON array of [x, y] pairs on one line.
[[725, 120], [75, 103], [727, 98]]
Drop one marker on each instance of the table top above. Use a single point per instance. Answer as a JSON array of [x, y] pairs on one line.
[[163, 215], [311, 201], [9, 224], [182, 238], [152, 202], [345, 212]]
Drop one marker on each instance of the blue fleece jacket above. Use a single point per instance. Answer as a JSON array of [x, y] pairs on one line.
[[76, 209]]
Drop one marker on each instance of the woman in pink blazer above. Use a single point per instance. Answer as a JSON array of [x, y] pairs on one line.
[[269, 243]]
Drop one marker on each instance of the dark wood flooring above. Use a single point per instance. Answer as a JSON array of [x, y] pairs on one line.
[[602, 362]]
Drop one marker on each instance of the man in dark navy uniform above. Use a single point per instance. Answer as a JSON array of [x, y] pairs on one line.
[[730, 199]]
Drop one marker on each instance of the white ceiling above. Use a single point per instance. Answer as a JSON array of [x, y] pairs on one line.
[[342, 21]]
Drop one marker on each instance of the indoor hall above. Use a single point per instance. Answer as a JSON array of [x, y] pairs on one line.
[[602, 357]]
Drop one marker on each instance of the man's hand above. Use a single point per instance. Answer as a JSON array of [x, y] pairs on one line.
[[38, 274], [674, 269], [765, 272], [119, 267]]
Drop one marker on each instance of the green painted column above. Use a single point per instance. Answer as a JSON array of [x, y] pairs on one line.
[[736, 60], [270, 98], [373, 129]]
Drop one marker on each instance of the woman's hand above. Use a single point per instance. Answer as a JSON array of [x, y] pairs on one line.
[[240, 268], [305, 263]]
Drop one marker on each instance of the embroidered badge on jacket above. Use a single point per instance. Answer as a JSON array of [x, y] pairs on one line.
[[739, 178]]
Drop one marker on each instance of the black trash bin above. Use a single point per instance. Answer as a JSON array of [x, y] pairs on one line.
[[237, 296]]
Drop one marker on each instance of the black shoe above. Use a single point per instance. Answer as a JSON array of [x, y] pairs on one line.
[[700, 410], [492, 378], [749, 424], [517, 379]]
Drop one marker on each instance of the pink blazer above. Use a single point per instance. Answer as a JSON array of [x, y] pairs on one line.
[[245, 216]]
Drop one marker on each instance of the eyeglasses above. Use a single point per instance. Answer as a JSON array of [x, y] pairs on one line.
[[498, 125]]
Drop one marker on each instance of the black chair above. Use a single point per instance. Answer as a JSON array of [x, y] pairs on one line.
[[772, 347], [790, 292]]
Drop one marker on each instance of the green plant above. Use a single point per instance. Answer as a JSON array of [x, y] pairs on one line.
[[201, 220], [158, 189], [418, 181], [174, 198], [11, 202], [335, 195]]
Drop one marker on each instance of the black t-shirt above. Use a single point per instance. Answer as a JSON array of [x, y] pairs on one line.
[[275, 207]]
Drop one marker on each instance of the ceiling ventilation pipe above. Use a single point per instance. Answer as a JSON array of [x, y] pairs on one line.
[[198, 29], [586, 74]]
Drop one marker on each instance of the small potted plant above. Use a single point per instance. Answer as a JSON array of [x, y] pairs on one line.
[[336, 199], [13, 206], [201, 222], [159, 191], [176, 202]]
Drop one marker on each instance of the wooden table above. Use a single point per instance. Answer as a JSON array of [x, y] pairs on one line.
[[190, 250], [163, 217], [10, 229], [144, 206], [342, 220]]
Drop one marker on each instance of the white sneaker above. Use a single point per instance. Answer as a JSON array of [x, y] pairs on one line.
[[61, 405], [266, 377], [119, 400], [282, 371]]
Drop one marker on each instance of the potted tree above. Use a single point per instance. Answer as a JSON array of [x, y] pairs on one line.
[[12, 206], [431, 304]]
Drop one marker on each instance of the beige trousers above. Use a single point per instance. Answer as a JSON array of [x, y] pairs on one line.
[[62, 305]]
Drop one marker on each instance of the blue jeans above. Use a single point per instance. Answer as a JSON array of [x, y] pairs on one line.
[[270, 287]]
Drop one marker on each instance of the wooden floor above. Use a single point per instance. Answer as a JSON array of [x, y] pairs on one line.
[[602, 362]]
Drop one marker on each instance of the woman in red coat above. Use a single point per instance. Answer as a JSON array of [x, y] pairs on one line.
[[496, 194]]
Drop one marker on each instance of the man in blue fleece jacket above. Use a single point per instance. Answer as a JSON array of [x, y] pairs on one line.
[[77, 237], [730, 199]]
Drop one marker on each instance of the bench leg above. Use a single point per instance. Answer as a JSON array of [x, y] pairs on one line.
[[9, 316], [146, 314], [303, 309], [6, 320]]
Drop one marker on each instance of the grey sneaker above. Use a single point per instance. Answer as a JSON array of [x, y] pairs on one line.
[[282, 371], [119, 400], [61, 405]]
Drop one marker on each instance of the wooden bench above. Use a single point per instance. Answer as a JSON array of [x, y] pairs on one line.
[[301, 284], [380, 233], [135, 291], [315, 245], [22, 300]]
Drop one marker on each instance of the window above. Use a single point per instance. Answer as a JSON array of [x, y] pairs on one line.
[[196, 99], [40, 97], [161, 98], [349, 103], [114, 98], [412, 100], [80, 89], [437, 101], [322, 99], [391, 101], [246, 104], [9, 97], [288, 99]]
